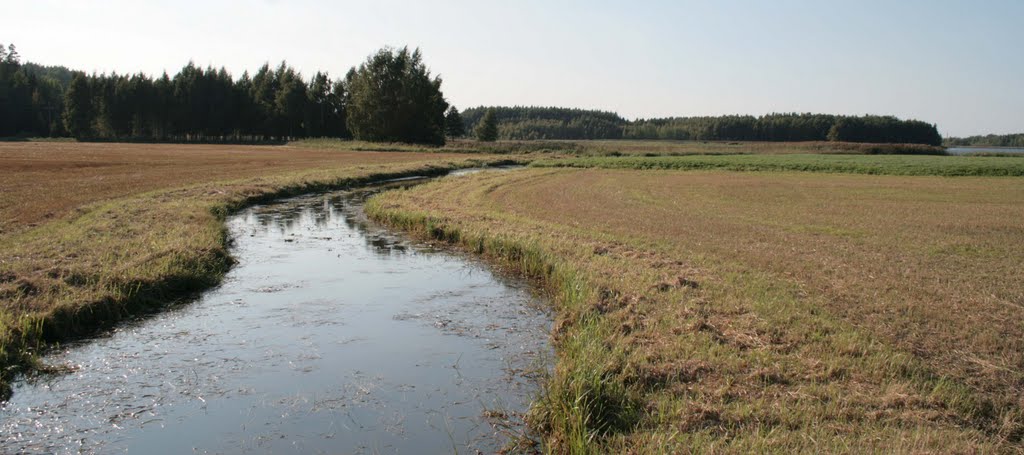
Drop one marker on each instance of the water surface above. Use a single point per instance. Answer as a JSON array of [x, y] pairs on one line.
[[969, 150], [331, 335]]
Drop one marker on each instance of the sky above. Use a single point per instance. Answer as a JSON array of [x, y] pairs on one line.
[[957, 64]]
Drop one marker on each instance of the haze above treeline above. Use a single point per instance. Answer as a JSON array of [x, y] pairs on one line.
[[278, 103]]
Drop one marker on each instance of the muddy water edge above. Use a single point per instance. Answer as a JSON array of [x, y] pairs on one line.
[[331, 335]]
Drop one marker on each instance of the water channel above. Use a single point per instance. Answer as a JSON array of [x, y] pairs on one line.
[[331, 335]]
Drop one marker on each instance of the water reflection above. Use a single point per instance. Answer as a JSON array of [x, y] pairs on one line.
[[304, 217], [984, 150]]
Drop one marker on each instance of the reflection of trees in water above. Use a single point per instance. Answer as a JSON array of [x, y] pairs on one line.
[[385, 246], [320, 217], [284, 220]]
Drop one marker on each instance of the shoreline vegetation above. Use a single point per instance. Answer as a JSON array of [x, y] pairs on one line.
[[672, 339], [112, 258]]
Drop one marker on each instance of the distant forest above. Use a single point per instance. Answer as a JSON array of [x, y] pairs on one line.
[[560, 123], [31, 96], [276, 103], [195, 104], [527, 123], [788, 127], [990, 140]]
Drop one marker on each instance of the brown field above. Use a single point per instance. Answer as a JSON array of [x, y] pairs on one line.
[[910, 258], [45, 180], [756, 311]]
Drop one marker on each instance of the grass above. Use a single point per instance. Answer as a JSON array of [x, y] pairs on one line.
[[95, 233], [754, 312], [950, 166]]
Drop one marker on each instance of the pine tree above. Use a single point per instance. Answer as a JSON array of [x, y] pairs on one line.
[[290, 101], [487, 129], [12, 55], [453, 123], [317, 109], [338, 110], [78, 108]]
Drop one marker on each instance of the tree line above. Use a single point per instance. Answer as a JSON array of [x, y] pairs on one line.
[[558, 123], [529, 123], [773, 127], [199, 104], [31, 97], [390, 97], [989, 140]]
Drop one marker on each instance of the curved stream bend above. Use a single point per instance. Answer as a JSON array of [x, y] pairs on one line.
[[331, 335]]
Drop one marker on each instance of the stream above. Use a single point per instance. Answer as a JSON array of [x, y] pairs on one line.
[[331, 335]]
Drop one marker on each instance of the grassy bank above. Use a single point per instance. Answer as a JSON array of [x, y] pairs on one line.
[[130, 250], [849, 164], [757, 312]]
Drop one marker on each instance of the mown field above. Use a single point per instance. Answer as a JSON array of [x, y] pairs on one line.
[[759, 311], [91, 233]]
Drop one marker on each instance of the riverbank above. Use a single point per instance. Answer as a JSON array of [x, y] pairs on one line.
[[331, 334], [94, 236], [787, 312]]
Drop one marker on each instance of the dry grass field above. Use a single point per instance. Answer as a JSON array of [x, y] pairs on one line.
[[759, 311], [46, 180], [92, 233]]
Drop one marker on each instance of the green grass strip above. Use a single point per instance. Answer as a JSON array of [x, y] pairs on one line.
[[947, 166]]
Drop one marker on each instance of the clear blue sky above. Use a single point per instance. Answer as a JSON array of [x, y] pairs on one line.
[[955, 63]]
